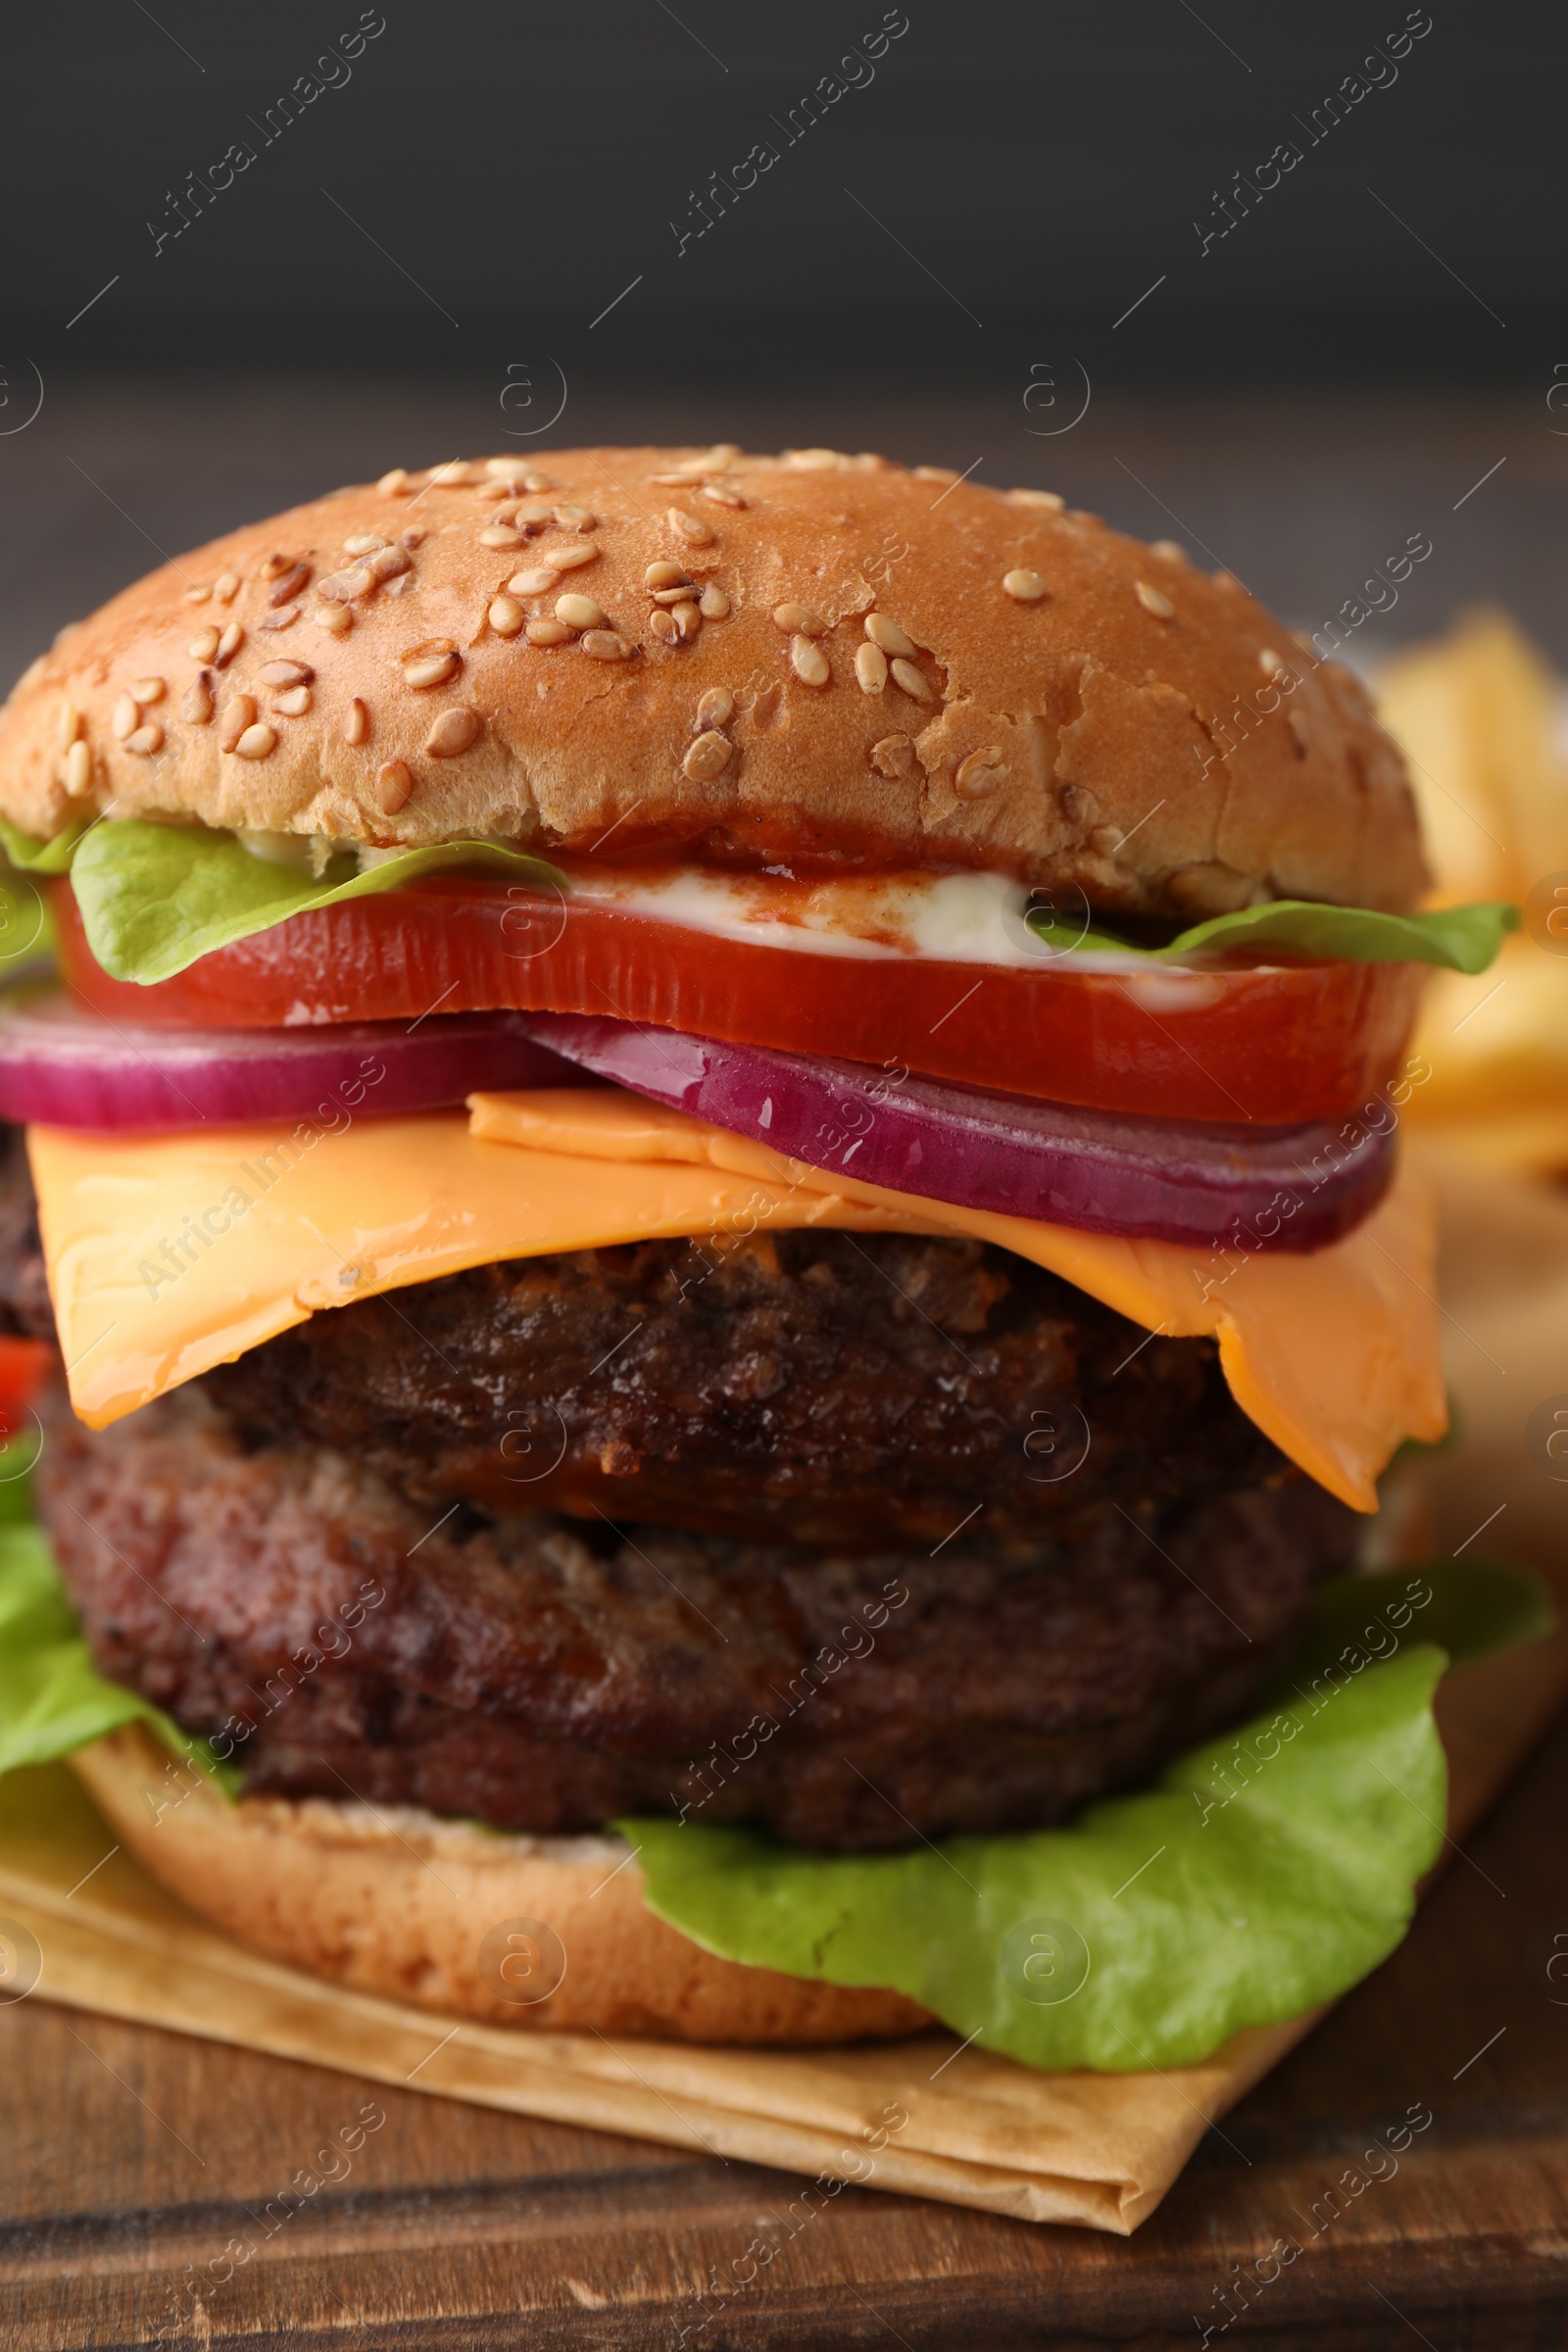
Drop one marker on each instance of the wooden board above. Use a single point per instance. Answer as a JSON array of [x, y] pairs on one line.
[[129, 2153]]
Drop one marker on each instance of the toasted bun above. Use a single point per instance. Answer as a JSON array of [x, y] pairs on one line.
[[398, 1902], [1084, 710]]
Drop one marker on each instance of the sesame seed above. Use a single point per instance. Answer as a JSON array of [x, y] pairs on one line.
[[239, 713], [227, 587], [681, 479], [389, 563], [229, 645], [334, 617], [1269, 662], [283, 619], [414, 536], [274, 567], [579, 612], [456, 474], [721, 494], [198, 592], [1170, 550], [603, 645], [662, 624], [870, 668], [70, 726], [392, 785], [797, 621], [341, 587], [1295, 720], [906, 675], [674, 596], [148, 690], [691, 528], [500, 534], [809, 662], [567, 559], [888, 635], [707, 758], [424, 668], [1024, 587], [547, 632], [363, 543], [146, 740], [813, 461], [503, 469], [79, 769], [1154, 600], [293, 702], [530, 583], [688, 620], [456, 731], [892, 757], [285, 673], [502, 487], [981, 772], [197, 707], [575, 518], [203, 646], [257, 742], [356, 721], [713, 603], [533, 518], [716, 707], [124, 719], [288, 586], [538, 482], [394, 484], [505, 616], [665, 575], [1050, 499]]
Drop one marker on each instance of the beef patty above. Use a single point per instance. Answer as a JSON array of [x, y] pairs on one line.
[[820, 1388], [816, 1387], [285, 1600]]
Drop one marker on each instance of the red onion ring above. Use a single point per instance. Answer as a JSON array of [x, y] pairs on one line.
[[72, 1069], [1250, 1188]]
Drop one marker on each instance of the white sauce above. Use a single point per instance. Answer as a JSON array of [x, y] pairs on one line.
[[943, 918]]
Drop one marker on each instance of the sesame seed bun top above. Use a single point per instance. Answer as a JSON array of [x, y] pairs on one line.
[[813, 657]]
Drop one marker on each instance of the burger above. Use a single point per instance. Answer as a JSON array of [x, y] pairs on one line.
[[705, 1246]]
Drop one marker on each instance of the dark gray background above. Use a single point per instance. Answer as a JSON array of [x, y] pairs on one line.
[[419, 267]]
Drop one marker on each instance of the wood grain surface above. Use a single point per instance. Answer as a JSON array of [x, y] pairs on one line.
[[128, 2153]]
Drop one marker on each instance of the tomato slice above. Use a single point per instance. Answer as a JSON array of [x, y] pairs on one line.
[[23, 1368], [1275, 1044]]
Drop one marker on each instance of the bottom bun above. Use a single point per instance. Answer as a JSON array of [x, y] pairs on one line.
[[519, 1931]]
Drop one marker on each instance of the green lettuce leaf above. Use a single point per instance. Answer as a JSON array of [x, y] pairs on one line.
[[1266, 1872], [1463, 939], [52, 1696], [30, 857], [154, 898]]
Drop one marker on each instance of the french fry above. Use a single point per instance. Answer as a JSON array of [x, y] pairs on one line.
[[1474, 713]]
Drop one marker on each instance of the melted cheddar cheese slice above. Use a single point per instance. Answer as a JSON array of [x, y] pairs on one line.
[[170, 1254]]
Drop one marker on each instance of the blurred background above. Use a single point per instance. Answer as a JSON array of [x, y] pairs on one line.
[[1282, 284]]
